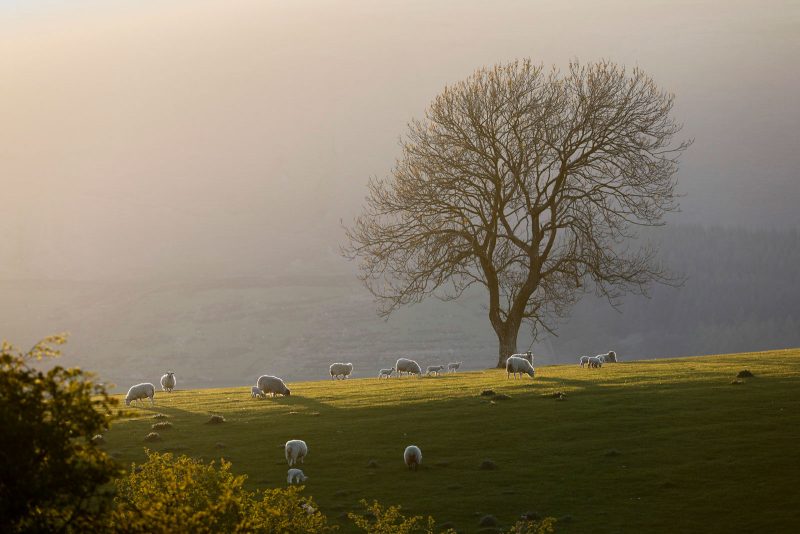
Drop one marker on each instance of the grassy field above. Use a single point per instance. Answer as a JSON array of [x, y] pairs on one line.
[[651, 446]]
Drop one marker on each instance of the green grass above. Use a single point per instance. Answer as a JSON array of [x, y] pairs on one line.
[[650, 446]]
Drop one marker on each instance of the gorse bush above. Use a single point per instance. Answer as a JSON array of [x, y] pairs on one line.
[[375, 519], [164, 492]]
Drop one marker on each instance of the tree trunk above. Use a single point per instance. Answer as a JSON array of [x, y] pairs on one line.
[[508, 343]]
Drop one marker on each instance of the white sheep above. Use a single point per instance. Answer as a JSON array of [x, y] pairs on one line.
[[517, 364], [296, 450], [412, 456], [341, 369], [272, 385], [594, 361], [601, 357], [168, 382], [453, 366], [434, 369], [584, 360], [404, 365], [386, 372], [525, 355], [296, 476], [256, 392], [610, 357], [140, 392]]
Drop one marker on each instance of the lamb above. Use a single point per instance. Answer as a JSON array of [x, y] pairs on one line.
[[296, 476], [341, 369], [256, 393], [386, 372], [453, 366], [272, 385], [517, 364], [404, 365], [412, 456], [168, 382], [140, 392], [434, 369], [296, 450], [594, 361], [584, 360]]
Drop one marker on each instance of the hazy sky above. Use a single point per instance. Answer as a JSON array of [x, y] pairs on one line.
[[144, 138]]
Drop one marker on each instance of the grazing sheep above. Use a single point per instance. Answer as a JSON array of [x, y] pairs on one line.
[[140, 392], [610, 357], [594, 361], [295, 476], [584, 360], [434, 369], [341, 369], [272, 385], [168, 382], [404, 365], [412, 456], [256, 393], [296, 450], [453, 366], [517, 364], [386, 372], [525, 355]]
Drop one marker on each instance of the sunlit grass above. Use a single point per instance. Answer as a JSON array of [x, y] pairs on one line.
[[660, 445]]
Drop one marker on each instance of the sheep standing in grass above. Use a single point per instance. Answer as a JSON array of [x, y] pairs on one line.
[[341, 369], [453, 366], [272, 385], [595, 362], [140, 392], [434, 369], [518, 365], [296, 450], [584, 360], [256, 393], [412, 456], [404, 365], [168, 382], [610, 357], [295, 476], [386, 372]]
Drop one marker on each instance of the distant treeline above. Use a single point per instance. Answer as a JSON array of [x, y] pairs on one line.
[[742, 293]]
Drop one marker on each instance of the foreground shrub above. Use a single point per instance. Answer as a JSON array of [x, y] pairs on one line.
[[545, 526], [164, 492], [51, 468], [379, 520]]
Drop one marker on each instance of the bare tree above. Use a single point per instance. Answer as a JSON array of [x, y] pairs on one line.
[[527, 182]]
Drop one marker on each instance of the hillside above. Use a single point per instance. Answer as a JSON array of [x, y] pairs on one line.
[[656, 446]]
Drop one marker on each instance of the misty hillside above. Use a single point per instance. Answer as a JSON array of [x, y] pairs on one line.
[[742, 293]]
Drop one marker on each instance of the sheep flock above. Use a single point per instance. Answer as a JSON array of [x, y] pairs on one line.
[[296, 450]]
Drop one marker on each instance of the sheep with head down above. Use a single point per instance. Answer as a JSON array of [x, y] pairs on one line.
[[295, 476], [140, 392], [295, 450], [272, 385], [412, 456], [404, 365], [517, 365]]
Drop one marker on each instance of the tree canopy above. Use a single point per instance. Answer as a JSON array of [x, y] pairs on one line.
[[527, 182]]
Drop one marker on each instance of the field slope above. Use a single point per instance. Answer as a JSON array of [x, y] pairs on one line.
[[650, 446]]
